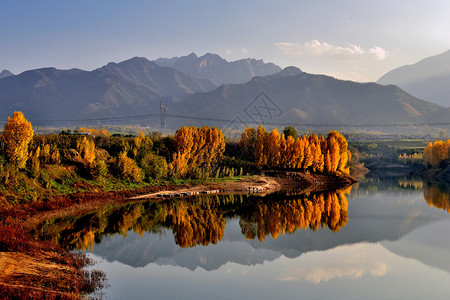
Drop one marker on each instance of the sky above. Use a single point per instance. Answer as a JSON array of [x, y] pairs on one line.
[[353, 40]]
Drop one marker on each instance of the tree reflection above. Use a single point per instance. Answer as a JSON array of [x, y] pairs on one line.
[[437, 196], [201, 220], [307, 211]]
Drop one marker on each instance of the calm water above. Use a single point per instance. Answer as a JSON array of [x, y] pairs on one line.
[[383, 239]]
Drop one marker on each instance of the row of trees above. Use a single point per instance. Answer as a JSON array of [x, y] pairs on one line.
[[436, 154], [93, 152], [192, 152], [307, 153]]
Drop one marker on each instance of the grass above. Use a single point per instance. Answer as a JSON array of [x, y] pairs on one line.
[[388, 150], [58, 180]]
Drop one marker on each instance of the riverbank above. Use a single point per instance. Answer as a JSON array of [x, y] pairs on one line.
[[31, 267]]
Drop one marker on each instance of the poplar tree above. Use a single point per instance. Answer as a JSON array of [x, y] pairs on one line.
[[17, 134]]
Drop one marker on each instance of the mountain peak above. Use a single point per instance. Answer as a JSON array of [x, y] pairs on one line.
[[289, 71], [217, 69], [427, 79], [191, 55], [5, 73]]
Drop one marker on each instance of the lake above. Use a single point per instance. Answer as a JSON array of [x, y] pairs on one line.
[[383, 238]]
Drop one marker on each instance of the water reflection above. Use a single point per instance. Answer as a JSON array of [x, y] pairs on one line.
[[201, 220], [286, 216], [437, 196]]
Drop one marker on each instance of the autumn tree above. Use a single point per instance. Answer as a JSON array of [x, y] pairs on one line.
[[86, 149], [261, 135], [247, 143], [436, 153], [196, 148], [128, 168], [307, 153], [17, 134]]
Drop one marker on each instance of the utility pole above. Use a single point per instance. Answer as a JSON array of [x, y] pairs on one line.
[[163, 110]]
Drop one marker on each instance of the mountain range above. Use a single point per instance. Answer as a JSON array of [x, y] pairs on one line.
[[218, 70], [427, 79], [293, 96], [132, 87], [196, 93]]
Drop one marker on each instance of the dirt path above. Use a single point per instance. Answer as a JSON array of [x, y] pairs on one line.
[[252, 184]]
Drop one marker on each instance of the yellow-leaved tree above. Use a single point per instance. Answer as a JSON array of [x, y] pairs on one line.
[[17, 134]]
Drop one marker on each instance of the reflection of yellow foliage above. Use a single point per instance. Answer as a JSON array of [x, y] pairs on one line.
[[128, 219], [201, 220], [197, 226], [83, 240], [314, 211], [436, 197], [413, 183]]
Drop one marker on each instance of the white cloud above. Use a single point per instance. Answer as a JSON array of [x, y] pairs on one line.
[[316, 48], [378, 52], [244, 50]]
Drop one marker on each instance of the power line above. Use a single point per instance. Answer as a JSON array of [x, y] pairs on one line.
[[308, 124], [163, 117]]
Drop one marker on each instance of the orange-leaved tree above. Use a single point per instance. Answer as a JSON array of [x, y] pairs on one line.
[[17, 134]]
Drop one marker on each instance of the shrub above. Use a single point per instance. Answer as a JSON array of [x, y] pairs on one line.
[[128, 169], [154, 166]]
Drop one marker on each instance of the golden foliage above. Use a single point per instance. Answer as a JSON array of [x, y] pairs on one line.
[[196, 148], [436, 153], [128, 168], [308, 153], [86, 149], [17, 134], [94, 132]]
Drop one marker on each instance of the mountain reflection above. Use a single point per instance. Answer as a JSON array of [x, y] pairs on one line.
[[201, 220], [437, 196]]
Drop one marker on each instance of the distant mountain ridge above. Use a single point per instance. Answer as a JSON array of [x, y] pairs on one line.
[[218, 70], [169, 82], [136, 87], [427, 79], [5, 73], [132, 87], [306, 98]]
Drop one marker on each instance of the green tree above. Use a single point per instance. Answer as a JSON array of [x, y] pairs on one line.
[[290, 131]]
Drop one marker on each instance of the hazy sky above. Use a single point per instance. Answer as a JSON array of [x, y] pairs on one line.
[[357, 40]]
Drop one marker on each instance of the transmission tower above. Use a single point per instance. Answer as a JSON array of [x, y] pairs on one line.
[[163, 110]]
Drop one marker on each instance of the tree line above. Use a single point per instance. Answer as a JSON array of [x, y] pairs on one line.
[[40, 162], [306, 153]]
